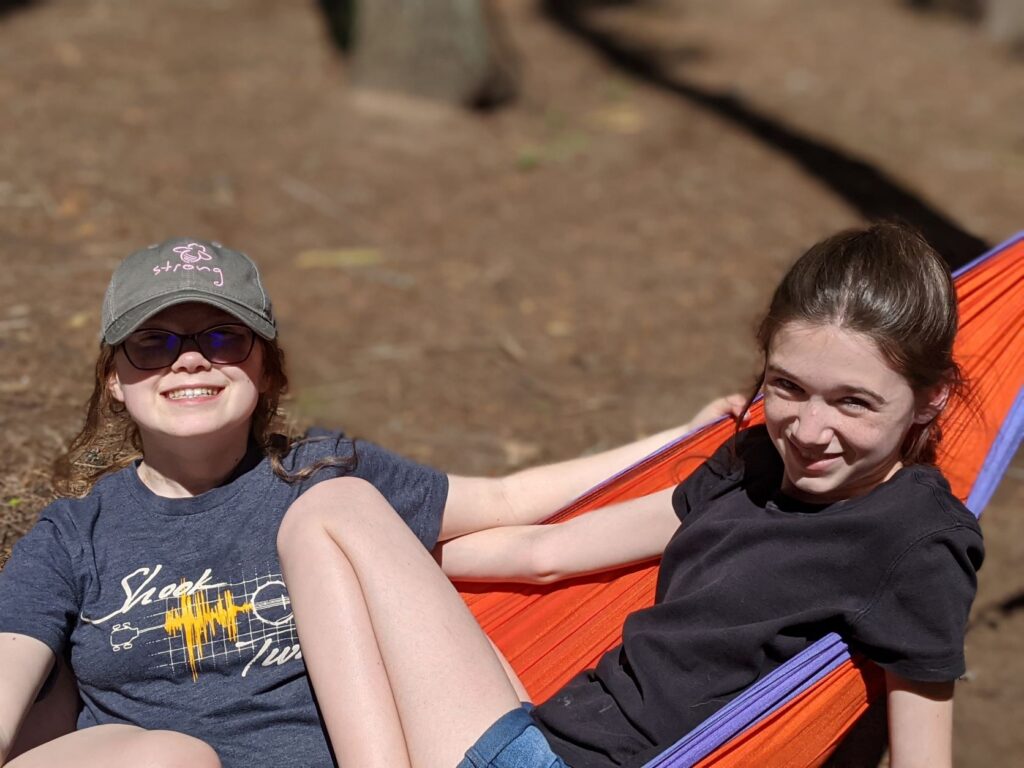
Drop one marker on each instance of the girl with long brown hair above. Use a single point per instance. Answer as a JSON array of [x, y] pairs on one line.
[[831, 517]]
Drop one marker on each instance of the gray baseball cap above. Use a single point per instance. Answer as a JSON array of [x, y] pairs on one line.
[[181, 270]]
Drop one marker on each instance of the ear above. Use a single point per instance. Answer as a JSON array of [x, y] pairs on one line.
[[114, 387], [931, 403]]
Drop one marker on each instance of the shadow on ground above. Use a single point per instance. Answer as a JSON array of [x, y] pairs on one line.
[[867, 189]]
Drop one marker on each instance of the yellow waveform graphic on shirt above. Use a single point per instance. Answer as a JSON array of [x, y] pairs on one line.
[[196, 619]]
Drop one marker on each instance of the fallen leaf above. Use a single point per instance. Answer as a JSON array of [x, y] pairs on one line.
[[619, 118], [558, 329], [80, 319], [338, 258], [518, 452]]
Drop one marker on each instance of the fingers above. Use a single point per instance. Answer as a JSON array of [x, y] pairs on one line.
[[732, 405]]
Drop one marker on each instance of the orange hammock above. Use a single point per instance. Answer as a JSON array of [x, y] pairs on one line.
[[549, 633]]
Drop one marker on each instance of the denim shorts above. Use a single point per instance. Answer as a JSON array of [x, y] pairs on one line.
[[513, 741]]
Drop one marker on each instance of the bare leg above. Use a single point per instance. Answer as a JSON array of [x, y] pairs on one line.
[[517, 685], [120, 746], [346, 553], [339, 646]]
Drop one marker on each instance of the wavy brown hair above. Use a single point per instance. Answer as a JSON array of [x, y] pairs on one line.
[[109, 440], [888, 284]]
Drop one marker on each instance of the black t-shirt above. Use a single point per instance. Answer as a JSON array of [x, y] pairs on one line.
[[753, 577]]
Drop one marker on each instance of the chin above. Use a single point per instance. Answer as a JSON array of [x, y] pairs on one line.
[[185, 429]]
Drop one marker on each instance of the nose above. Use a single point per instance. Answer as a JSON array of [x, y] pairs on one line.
[[811, 428], [190, 359]]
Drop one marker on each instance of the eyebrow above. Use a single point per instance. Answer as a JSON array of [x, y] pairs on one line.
[[848, 389]]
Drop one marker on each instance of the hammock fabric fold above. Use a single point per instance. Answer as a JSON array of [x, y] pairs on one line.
[[798, 714]]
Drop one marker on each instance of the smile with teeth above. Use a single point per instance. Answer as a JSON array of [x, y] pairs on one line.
[[189, 393]]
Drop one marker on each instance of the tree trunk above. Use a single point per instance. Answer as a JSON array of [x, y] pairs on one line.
[[446, 50], [1005, 20], [340, 18]]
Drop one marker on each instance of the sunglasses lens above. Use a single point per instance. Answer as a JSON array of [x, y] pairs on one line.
[[226, 343], [149, 350]]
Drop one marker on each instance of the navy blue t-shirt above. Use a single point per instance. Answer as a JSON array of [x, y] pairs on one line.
[[174, 612]]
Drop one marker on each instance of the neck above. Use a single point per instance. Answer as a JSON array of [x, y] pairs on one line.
[[184, 467]]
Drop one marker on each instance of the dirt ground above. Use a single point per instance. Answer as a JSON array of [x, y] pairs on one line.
[[486, 291]]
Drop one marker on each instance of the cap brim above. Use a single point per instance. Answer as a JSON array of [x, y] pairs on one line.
[[131, 320]]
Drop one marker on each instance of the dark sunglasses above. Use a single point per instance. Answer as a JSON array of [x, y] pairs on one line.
[[150, 348]]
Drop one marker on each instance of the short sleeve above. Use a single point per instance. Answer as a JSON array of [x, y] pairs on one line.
[[417, 492], [38, 596], [694, 490], [748, 453], [916, 623]]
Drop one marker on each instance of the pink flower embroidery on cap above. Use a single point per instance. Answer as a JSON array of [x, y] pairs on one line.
[[192, 253]]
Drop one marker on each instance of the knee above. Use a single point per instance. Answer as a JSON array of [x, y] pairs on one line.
[[170, 749], [326, 504]]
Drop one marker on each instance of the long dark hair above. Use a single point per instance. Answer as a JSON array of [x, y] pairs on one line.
[[888, 284]]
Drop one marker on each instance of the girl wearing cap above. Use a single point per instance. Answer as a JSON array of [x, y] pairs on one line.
[[157, 576]]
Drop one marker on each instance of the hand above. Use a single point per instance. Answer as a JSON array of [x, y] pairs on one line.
[[730, 405]]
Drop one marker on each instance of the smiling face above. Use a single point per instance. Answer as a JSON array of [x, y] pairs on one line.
[[191, 397], [836, 411]]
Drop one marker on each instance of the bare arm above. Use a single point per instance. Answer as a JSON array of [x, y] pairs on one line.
[[24, 664], [920, 723], [630, 532], [529, 496]]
